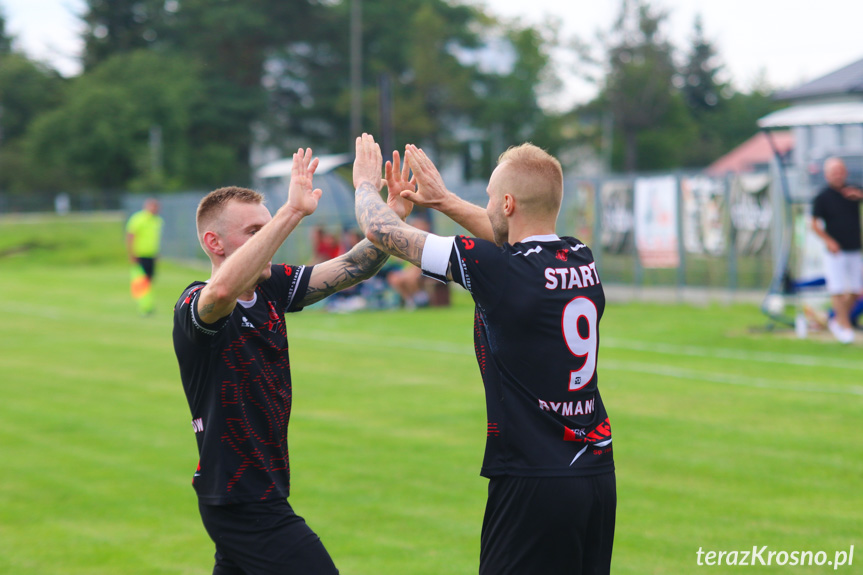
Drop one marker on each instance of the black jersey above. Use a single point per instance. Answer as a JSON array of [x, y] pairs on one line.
[[237, 379], [841, 218], [536, 337]]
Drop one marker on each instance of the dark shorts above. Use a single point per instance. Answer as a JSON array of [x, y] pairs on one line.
[[265, 538], [149, 266], [548, 525]]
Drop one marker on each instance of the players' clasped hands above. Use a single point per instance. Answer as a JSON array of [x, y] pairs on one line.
[[424, 187], [415, 180]]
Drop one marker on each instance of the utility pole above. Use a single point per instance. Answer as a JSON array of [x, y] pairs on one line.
[[356, 71], [387, 133]]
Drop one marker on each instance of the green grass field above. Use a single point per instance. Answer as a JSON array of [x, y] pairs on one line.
[[724, 438]]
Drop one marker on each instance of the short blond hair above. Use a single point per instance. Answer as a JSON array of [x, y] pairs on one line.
[[213, 204], [536, 177]]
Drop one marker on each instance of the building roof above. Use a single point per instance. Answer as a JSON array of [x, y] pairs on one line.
[[814, 115], [753, 153], [282, 168], [847, 80]]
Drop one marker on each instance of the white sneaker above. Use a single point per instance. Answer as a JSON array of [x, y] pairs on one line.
[[842, 335]]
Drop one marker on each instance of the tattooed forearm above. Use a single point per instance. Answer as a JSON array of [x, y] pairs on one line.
[[366, 259], [385, 229], [362, 262]]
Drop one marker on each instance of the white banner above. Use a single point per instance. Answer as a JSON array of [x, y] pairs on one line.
[[656, 222]]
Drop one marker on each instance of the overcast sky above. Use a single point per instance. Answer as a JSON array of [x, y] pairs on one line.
[[791, 42]]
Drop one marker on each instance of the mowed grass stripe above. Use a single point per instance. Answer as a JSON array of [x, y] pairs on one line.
[[362, 340], [732, 354], [729, 378]]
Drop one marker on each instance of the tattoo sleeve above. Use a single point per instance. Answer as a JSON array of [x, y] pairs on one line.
[[386, 230], [362, 262]]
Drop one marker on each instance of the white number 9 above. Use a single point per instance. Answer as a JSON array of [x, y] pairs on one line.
[[585, 347]]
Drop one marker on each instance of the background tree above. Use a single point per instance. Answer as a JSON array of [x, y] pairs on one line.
[[664, 116], [206, 81], [444, 92], [310, 84], [27, 89], [509, 109], [100, 137], [288, 84], [115, 27], [705, 96], [5, 39], [638, 84], [737, 120], [702, 88], [228, 42]]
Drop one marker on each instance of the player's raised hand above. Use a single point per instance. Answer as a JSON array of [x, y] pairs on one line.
[[852, 193], [367, 163], [398, 180], [302, 196], [430, 190]]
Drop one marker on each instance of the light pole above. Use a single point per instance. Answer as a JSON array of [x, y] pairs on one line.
[[356, 71]]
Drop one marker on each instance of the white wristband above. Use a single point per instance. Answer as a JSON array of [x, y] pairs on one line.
[[435, 258]]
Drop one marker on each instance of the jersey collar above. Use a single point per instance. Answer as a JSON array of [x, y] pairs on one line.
[[248, 303], [543, 238]]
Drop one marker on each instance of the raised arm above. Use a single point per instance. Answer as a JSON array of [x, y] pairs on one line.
[[241, 271], [364, 260], [377, 220], [852, 193], [432, 193]]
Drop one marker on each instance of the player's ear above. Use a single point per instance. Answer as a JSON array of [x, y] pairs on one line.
[[213, 243], [508, 204]]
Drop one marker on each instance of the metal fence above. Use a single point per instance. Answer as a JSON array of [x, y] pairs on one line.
[[718, 232]]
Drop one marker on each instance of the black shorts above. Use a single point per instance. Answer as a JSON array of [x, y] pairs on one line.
[[548, 525], [265, 538], [149, 266]]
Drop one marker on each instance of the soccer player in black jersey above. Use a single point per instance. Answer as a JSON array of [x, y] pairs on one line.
[[539, 299], [231, 343]]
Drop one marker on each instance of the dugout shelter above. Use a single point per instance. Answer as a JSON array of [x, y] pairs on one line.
[[821, 130]]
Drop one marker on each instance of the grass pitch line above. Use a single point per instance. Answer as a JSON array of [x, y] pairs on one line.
[[726, 353], [610, 342], [614, 365], [730, 379], [363, 340]]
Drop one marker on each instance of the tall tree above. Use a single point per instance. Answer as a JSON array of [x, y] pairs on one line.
[[737, 118], [120, 26], [510, 98], [5, 38], [444, 90], [705, 96], [702, 88], [232, 42], [100, 137], [27, 90], [638, 85], [228, 41], [310, 85]]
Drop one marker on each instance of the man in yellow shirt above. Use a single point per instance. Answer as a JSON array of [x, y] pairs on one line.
[[143, 235]]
